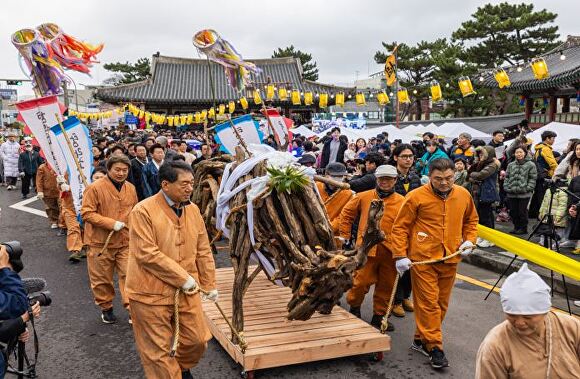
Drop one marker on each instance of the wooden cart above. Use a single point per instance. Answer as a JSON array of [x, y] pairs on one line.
[[273, 341]]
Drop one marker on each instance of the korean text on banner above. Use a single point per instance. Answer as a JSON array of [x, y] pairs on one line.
[[248, 132], [390, 68], [281, 125], [80, 139], [40, 115]]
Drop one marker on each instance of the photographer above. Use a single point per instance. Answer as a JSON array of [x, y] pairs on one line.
[[13, 305]]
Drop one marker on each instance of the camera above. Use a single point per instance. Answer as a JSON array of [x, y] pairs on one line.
[[557, 182], [14, 250]]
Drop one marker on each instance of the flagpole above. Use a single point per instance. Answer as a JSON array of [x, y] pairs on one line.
[[72, 151], [396, 88], [271, 127], [239, 136]]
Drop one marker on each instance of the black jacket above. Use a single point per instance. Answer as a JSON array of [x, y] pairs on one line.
[[326, 153], [364, 182], [29, 161], [136, 177], [411, 178]]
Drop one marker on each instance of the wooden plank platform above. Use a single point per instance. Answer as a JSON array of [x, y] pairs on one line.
[[273, 341]]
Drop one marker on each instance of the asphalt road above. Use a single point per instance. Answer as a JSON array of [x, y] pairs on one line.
[[74, 343]]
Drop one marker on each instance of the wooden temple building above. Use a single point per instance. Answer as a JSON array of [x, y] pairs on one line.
[[547, 100], [184, 85]]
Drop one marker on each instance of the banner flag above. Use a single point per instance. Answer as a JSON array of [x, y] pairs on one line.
[[281, 125], [82, 145], [390, 68], [248, 132], [40, 115]]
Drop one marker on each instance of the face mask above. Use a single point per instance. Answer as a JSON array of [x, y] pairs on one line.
[[28, 148]]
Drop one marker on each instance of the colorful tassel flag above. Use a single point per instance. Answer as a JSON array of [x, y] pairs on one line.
[[436, 93], [540, 68], [323, 100], [403, 96], [339, 99], [222, 52], [308, 98], [295, 97], [244, 103], [231, 107], [360, 99], [257, 97], [282, 94], [466, 87], [269, 92], [502, 78]]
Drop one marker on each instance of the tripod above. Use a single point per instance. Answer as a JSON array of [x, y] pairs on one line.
[[550, 238]]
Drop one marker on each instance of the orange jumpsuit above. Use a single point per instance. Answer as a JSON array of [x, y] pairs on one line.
[[46, 183], [74, 239], [102, 205], [430, 227], [164, 250], [334, 203], [380, 266]]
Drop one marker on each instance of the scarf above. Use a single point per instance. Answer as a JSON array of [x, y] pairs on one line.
[[441, 194], [384, 194]]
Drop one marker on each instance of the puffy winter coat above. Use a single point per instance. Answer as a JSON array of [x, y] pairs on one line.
[[483, 176], [10, 152], [423, 163], [559, 208], [520, 178]]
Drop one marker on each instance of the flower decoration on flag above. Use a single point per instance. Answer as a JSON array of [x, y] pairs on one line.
[[220, 51]]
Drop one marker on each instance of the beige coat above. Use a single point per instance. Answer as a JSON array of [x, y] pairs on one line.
[[102, 206], [46, 181]]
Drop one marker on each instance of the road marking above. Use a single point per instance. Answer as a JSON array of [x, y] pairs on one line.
[[487, 286], [22, 206]]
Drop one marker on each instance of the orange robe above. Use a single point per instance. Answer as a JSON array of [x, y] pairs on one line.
[[334, 203], [164, 250], [430, 227], [46, 183]]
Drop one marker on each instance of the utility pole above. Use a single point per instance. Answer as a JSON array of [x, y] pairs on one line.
[[65, 93]]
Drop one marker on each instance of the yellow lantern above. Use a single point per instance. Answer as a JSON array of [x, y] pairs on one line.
[[203, 115], [403, 96], [282, 94], [182, 119], [244, 103], [211, 113], [466, 87], [231, 106], [162, 119], [170, 120], [257, 97], [323, 100], [197, 117], [221, 109], [295, 97], [383, 98], [269, 92], [360, 99], [436, 93], [308, 98], [339, 99], [189, 119], [540, 68], [147, 116], [502, 78]]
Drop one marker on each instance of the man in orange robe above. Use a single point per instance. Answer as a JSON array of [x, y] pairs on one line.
[[334, 198]]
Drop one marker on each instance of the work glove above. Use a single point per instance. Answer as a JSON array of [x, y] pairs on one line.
[[60, 179], [118, 226], [403, 265], [211, 295], [64, 187], [469, 246], [40, 195], [190, 284]]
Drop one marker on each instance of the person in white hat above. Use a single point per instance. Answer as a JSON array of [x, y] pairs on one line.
[[533, 341], [10, 151]]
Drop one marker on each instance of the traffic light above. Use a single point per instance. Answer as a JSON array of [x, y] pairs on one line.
[[14, 82]]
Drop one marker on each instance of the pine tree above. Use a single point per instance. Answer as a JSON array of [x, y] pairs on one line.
[[128, 72]]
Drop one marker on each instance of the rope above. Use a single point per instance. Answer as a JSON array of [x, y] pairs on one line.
[[384, 322], [106, 242], [549, 342], [239, 335]]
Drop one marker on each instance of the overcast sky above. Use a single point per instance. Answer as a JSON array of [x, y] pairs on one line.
[[342, 35]]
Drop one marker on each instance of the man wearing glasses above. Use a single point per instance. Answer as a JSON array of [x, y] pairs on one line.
[[435, 220]]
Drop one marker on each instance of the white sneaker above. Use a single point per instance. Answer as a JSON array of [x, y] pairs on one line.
[[53, 226], [567, 243], [478, 241], [577, 303]]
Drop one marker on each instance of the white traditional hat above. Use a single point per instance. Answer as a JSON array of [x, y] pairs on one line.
[[525, 293]]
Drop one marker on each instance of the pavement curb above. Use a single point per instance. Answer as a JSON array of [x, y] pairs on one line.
[[498, 261]]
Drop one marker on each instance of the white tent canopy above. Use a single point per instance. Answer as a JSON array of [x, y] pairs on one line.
[[450, 130], [351, 134], [303, 131], [394, 133], [564, 133]]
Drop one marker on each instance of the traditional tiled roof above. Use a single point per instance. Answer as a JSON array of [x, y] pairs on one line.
[[187, 81], [564, 74]]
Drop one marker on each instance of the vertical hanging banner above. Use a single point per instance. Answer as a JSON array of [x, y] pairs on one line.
[[281, 125], [82, 148], [390, 68], [40, 115], [247, 131]]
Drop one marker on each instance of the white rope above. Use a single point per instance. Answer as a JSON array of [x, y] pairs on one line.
[[549, 343]]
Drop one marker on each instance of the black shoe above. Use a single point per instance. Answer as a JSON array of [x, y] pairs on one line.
[[355, 311], [74, 257], [378, 319], [186, 375], [25, 196], [61, 232], [108, 316], [437, 357], [418, 346]]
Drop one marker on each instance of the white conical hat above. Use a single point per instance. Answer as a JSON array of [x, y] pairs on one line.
[[525, 293]]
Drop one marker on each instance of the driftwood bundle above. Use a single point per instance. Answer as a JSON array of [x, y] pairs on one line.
[[207, 176], [292, 230]]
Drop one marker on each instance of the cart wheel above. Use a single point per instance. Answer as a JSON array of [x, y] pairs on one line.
[[247, 374], [378, 356]]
